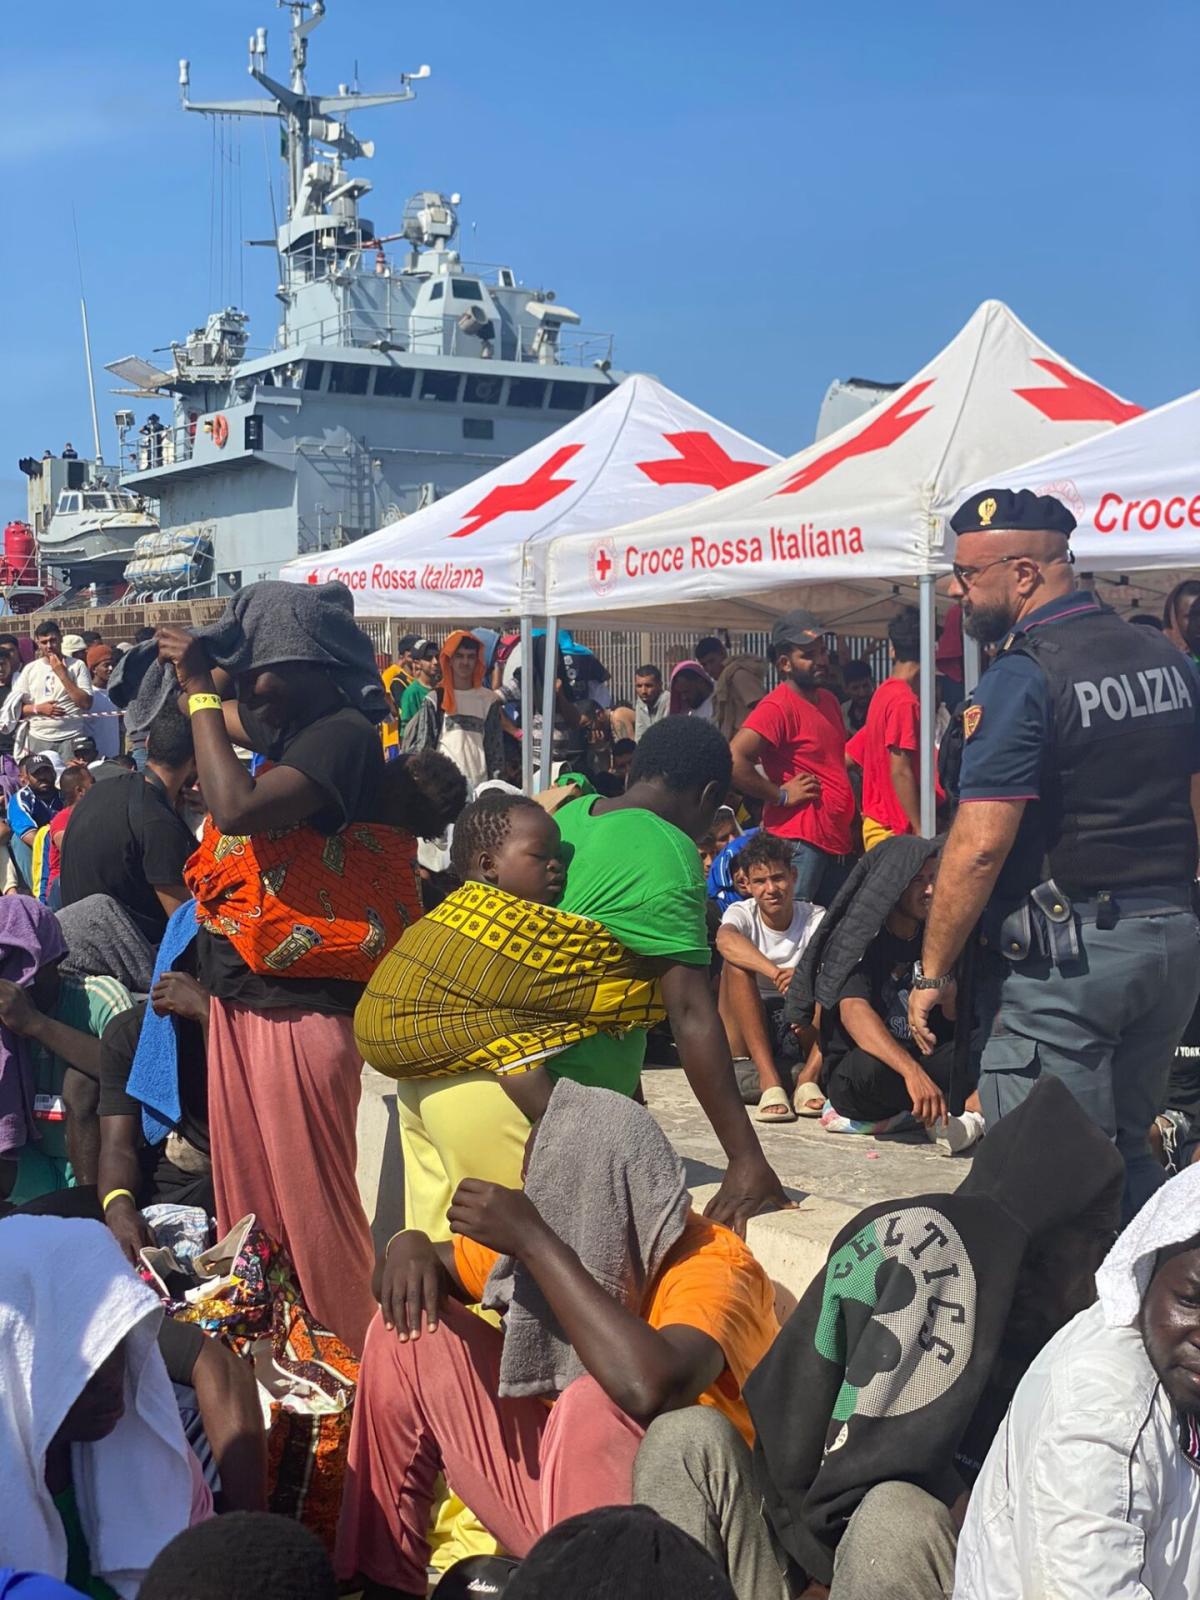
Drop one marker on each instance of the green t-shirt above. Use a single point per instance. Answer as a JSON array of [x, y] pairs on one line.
[[640, 877], [88, 1004], [410, 701], [79, 1557]]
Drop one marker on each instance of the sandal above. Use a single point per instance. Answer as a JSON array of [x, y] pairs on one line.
[[773, 1106], [809, 1100]]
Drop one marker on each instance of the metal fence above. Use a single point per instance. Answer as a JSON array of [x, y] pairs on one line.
[[621, 650]]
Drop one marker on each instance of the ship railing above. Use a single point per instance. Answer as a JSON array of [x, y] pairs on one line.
[[164, 446], [442, 336]]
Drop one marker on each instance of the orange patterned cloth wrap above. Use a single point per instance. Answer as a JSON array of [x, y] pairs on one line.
[[295, 903], [489, 981]]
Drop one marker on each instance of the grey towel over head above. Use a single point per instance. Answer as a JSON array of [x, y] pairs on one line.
[[265, 625], [605, 1178], [104, 942]]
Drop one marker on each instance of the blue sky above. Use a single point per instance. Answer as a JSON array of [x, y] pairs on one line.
[[755, 198]]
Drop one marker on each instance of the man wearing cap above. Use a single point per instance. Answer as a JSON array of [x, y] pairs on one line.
[[396, 679], [55, 692], [1075, 838], [797, 737], [423, 660]]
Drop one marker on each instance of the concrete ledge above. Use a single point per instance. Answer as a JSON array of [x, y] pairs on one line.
[[791, 1245]]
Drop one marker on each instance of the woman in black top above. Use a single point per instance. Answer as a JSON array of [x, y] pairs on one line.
[[284, 1073]]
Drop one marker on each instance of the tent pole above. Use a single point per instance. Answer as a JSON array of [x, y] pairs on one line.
[[549, 672], [928, 616], [527, 704]]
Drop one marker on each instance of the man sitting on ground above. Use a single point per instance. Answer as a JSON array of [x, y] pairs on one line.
[[859, 969], [761, 941], [1092, 1485], [652, 704], [877, 1403], [618, 1300]]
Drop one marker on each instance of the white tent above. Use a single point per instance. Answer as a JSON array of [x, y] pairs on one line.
[[476, 552], [851, 512], [1135, 494], [857, 507]]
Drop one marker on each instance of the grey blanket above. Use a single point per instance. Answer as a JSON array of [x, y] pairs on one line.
[[103, 942], [265, 625], [604, 1177]]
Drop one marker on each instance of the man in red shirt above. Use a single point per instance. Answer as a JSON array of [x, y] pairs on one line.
[[797, 737], [888, 746], [73, 785]]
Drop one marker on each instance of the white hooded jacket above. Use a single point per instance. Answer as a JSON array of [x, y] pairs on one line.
[[67, 1299], [1086, 1493]]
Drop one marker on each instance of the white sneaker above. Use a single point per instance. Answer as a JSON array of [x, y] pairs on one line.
[[957, 1134]]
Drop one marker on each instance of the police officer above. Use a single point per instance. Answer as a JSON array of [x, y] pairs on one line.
[[1074, 838]]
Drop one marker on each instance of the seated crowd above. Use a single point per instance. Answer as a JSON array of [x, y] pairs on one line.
[[217, 1385]]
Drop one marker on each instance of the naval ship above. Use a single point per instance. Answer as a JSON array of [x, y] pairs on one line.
[[396, 374]]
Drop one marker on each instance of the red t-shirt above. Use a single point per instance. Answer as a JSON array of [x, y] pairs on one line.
[[893, 723], [801, 735], [57, 826]]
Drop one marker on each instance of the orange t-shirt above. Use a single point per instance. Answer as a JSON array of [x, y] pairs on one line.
[[708, 1281]]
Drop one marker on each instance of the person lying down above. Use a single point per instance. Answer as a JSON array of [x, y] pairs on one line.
[[495, 977]]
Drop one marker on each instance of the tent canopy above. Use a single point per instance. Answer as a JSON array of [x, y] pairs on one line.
[[853, 518], [476, 553], [1134, 492]]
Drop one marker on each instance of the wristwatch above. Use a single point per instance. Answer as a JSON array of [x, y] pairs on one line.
[[920, 981]]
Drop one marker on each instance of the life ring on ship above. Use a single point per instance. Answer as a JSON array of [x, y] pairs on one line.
[[220, 430]]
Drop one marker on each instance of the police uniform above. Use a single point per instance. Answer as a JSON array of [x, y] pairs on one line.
[[1091, 949]]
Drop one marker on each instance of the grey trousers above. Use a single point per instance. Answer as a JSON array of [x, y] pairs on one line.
[[1108, 1027], [694, 1469]]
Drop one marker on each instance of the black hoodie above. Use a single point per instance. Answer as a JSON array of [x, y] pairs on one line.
[[881, 1370]]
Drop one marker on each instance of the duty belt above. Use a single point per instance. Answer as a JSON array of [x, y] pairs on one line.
[[1047, 924]]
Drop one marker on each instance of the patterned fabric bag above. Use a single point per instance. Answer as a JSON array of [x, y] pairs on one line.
[[310, 1382], [295, 903], [231, 1290]]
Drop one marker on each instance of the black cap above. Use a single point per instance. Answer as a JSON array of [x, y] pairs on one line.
[[1009, 511], [795, 630], [406, 642], [619, 1550], [476, 1578]]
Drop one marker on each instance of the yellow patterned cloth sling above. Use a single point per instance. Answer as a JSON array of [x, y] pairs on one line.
[[490, 981]]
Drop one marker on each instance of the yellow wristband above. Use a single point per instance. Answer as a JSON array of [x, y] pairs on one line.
[[203, 702], [115, 1194]]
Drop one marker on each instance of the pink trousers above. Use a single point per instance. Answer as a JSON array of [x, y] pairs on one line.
[[431, 1405], [283, 1090]]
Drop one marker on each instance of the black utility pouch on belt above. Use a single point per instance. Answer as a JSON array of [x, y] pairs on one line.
[[1043, 925]]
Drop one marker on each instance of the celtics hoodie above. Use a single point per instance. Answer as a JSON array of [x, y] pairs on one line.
[[883, 1372]]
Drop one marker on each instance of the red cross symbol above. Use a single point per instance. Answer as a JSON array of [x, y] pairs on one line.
[[603, 564], [700, 460], [536, 491], [1078, 399], [884, 428]]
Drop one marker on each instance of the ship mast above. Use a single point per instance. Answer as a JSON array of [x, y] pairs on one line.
[[305, 117]]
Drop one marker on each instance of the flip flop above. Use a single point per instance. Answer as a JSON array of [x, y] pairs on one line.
[[773, 1106], [809, 1100]]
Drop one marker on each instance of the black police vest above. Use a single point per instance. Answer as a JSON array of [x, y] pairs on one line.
[[1116, 774]]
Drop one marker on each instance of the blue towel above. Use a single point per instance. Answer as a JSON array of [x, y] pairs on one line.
[[154, 1077]]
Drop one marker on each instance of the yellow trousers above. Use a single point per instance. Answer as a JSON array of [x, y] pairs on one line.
[[450, 1129]]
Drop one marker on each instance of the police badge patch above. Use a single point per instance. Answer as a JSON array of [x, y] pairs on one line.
[[972, 717]]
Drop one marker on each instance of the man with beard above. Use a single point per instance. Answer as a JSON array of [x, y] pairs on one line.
[[797, 736], [1074, 839]]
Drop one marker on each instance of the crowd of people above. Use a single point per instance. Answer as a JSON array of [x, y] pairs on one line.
[[242, 860]]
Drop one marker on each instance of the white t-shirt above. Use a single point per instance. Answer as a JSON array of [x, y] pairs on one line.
[[103, 722], [782, 947], [38, 682]]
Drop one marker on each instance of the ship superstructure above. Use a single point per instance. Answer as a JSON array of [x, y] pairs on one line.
[[398, 372]]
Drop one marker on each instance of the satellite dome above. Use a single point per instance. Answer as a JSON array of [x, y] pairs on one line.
[[430, 218]]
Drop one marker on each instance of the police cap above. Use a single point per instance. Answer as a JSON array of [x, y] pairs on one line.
[[1009, 511]]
